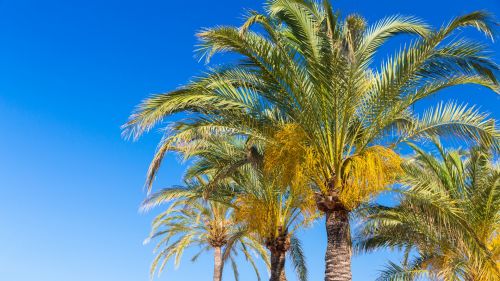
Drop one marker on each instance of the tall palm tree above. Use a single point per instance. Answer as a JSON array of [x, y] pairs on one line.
[[192, 221], [449, 216], [306, 82]]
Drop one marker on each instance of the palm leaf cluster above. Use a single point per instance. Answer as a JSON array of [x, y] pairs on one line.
[[304, 115], [189, 221], [448, 220]]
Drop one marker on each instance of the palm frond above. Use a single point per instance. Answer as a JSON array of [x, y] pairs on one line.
[[298, 258]]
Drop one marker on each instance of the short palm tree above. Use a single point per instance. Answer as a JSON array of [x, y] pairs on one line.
[[192, 221], [449, 216], [306, 82], [274, 215]]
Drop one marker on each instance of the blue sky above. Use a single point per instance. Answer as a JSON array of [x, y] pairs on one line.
[[70, 73]]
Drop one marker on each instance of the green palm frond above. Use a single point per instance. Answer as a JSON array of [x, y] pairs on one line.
[[234, 266], [298, 259], [451, 119], [394, 272], [385, 29], [446, 214]]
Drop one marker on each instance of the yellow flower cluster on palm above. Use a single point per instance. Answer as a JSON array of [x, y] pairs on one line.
[[367, 174], [494, 246], [289, 160], [272, 208]]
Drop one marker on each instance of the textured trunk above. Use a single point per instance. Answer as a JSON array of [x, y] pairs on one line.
[[277, 266], [218, 263], [338, 251]]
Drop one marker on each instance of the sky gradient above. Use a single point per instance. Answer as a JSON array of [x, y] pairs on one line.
[[70, 74]]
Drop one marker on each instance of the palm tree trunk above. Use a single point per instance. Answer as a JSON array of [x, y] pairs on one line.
[[218, 264], [277, 266], [338, 250]]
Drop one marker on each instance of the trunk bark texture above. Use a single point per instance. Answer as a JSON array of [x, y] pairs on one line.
[[278, 266], [218, 264], [278, 246], [338, 250]]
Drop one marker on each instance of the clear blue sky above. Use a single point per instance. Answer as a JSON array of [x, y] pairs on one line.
[[70, 73]]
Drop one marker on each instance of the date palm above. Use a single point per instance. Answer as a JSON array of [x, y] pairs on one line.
[[449, 216], [192, 221], [274, 214], [306, 82]]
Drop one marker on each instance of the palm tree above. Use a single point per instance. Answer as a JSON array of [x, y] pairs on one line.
[[193, 221], [274, 214], [306, 82], [449, 216]]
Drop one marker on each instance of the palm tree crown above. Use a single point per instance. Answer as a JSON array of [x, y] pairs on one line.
[[449, 215], [192, 221]]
